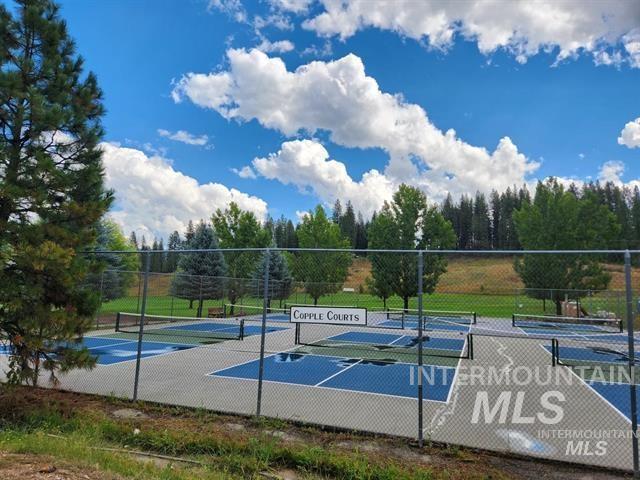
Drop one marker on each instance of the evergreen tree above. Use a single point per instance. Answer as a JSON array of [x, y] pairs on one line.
[[200, 276], [133, 240], [51, 191], [361, 241], [336, 215], [118, 274], [173, 245], [480, 224], [291, 235], [280, 279], [496, 221], [451, 213], [348, 224], [321, 272], [465, 223], [190, 232]]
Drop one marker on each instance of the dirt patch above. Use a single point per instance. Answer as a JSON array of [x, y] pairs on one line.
[[36, 467]]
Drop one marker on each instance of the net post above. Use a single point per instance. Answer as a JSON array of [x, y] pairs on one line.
[[117, 321], [475, 318], [553, 352], [470, 346], [420, 333], [143, 309], [513, 319], [263, 333], [241, 333], [631, 356]]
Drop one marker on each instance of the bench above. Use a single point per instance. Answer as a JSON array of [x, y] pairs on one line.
[[215, 312]]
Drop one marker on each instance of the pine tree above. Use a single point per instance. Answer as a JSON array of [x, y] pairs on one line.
[[133, 240], [451, 213], [291, 235], [480, 224], [51, 191], [336, 215], [348, 224], [496, 221], [173, 245], [118, 274], [465, 222], [280, 279], [200, 276], [190, 232], [362, 241]]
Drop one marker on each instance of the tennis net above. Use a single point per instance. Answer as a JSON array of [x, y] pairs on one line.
[[376, 344], [180, 327], [581, 324], [409, 317], [254, 312]]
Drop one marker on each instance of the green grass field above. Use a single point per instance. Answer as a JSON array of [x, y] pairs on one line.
[[485, 305]]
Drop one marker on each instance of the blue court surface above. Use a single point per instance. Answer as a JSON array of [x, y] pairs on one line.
[[594, 355], [110, 351], [124, 351], [616, 394], [350, 374]]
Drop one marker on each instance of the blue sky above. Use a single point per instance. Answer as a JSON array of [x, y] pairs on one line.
[[526, 98]]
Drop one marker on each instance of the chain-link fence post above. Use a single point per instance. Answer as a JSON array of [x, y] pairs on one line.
[[101, 297], [263, 332], [631, 355], [143, 309], [420, 385]]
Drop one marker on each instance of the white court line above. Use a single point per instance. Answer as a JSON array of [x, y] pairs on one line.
[[337, 373], [364, 392]]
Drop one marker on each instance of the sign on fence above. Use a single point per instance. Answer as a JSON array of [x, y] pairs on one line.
[[328, 315]]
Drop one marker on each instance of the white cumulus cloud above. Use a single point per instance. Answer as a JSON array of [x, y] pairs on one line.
[[522, 28], [294, 6], [612, 171], [154, 199], [630, 135], [244, 172], [340, 98], [306, 164], [280, 46], [184, 137]]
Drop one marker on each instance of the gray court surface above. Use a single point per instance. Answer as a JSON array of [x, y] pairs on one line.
[[489, 401]]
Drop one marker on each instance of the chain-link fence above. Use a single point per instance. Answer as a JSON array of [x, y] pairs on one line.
[[524, 352]]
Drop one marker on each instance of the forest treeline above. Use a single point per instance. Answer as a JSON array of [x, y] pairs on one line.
[[479, 222]]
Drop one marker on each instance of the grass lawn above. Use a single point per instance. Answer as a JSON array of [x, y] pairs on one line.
[[485, 305], [486, 285]]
